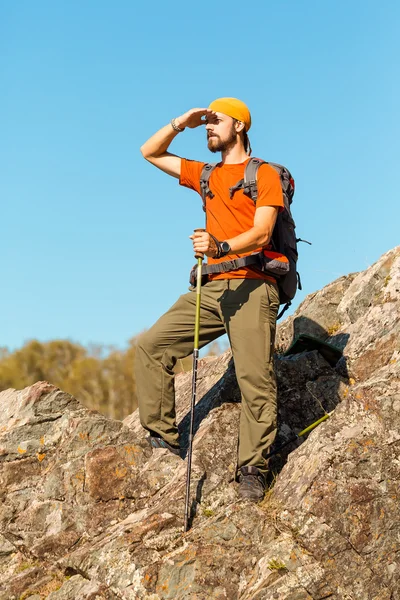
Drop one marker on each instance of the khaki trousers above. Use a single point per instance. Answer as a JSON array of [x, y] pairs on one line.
[[246, 310]]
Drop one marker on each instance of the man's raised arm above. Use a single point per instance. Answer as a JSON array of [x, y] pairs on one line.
[[155, 150]]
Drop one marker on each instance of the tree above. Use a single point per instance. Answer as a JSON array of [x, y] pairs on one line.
[[101, 380]]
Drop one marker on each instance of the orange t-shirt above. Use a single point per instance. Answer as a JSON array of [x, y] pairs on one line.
[[227, 217]]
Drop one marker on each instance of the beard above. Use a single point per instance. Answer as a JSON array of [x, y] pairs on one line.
[[216, 144]]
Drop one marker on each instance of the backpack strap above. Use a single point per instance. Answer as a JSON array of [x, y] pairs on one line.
[[231, 265], [250, 177], [284, 309], [249, 183], [226, 266], [205, 175]]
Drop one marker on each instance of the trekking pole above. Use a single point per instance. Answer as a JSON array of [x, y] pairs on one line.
[[299, 435], [194, 382]]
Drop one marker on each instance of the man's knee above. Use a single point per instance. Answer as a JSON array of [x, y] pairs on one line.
[[146, 352], [149, 351], [147, 343]]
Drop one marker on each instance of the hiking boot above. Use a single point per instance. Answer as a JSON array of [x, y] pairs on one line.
[[251, 484], [156, 441]]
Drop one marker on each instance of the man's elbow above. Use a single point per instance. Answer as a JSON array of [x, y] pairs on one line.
[[145, 152], [148, 155], [264, 238]]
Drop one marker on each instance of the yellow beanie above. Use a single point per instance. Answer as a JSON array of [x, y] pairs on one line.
[[233, 108]]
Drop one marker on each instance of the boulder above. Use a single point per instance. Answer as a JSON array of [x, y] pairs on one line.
[[89, 511]]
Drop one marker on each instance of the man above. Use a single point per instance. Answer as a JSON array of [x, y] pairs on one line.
[[243, 303]]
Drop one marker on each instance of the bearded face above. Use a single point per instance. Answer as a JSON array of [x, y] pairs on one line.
[[221, 133], [222, 143]]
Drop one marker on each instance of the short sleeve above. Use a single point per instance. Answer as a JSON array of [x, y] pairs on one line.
[[269, 187], [190, 174]]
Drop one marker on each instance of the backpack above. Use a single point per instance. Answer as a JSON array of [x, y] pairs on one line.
[[283, 239]]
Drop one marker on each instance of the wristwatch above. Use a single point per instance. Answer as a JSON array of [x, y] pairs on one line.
[[225, 249]]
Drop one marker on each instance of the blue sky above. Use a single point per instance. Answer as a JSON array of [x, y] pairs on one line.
[[94, 244]]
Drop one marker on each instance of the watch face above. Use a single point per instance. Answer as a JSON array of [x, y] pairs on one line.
[[225, 247]]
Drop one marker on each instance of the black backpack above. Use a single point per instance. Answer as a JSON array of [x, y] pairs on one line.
[[283, 239]]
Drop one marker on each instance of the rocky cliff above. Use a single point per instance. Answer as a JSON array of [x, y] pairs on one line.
[[88, 511]]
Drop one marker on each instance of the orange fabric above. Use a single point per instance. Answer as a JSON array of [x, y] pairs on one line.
[[228, 217], [233, 108], [276, 256]]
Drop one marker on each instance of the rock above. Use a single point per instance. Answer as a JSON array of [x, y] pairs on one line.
[[89, 511], [79, 587], [317, 315]]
